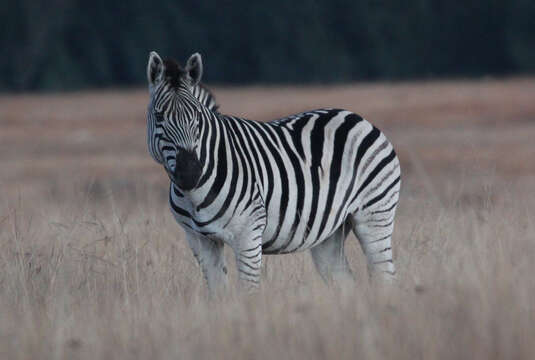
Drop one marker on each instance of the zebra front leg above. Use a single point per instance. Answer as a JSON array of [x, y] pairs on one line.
[[247, 244], [249, 263], [210, 256]]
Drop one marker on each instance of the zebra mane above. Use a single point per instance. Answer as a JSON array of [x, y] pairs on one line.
[[210, 100]]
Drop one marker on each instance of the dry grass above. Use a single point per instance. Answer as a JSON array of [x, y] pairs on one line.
[[93, 266]]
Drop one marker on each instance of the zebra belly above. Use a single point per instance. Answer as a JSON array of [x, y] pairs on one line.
[[303, 235], [287, 241]]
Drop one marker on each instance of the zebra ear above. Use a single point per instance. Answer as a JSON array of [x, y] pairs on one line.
[[155, 68], [194, 68]]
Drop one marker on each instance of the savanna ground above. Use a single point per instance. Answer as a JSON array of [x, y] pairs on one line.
[[93, 266]]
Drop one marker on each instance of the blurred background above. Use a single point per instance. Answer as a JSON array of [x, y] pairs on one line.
[[93, 265], [65, 45]]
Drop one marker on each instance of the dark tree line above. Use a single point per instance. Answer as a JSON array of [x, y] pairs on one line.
[[61, 44]]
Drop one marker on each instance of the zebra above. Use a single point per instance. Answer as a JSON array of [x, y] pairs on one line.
[[292, 184]]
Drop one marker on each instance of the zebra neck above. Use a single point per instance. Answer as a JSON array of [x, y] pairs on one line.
[[216, 158]]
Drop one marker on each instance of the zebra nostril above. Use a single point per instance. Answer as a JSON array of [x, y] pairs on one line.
[[225, 270]]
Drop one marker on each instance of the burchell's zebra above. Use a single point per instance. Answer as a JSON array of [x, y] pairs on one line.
[[292, 184]]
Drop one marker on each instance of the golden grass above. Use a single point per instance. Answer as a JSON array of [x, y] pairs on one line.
[[92, 265]]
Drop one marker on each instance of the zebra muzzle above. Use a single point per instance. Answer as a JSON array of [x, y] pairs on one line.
[[188, 170]]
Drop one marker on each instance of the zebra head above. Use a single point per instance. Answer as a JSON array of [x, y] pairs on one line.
[[173, 117]]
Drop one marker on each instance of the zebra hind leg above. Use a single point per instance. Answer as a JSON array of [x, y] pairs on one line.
[[374, 232], [330, 259]]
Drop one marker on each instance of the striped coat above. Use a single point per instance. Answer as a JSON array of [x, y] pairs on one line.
[[302, 182]]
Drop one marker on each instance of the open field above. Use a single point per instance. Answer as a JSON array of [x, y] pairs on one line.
[[93, 266]]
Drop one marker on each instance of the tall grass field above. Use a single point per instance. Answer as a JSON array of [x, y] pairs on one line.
[[93, 265]]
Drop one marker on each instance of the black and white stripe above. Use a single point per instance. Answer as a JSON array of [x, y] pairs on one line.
[[205, 97], [292, 184]]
